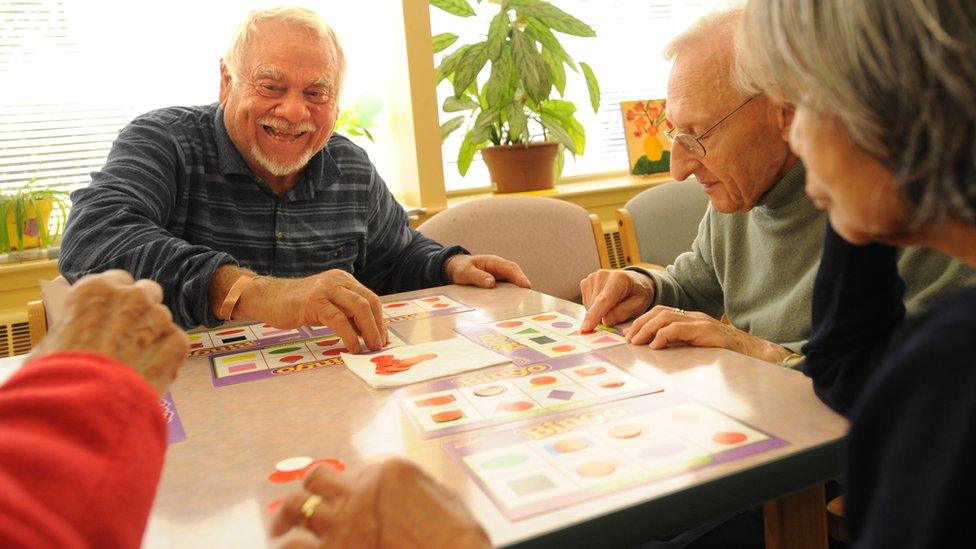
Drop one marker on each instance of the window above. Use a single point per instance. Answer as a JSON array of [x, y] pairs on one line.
[[76, 71], [625, 55]]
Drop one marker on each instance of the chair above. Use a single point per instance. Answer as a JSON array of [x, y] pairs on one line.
[[38, 315], [659, 224], [556, 243]]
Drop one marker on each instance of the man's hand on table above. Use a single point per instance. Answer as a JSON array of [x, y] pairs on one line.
[[613, 296], [664, 326], [483, 271], [389, 504], [332, 298], [111, 314]]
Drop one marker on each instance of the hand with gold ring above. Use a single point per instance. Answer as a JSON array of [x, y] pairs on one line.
[[345, 511], [665, 326], [311, 503]]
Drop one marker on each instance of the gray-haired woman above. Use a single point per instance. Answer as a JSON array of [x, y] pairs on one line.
[[885, 122]]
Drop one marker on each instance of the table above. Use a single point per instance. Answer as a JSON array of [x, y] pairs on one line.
[[212, 494]]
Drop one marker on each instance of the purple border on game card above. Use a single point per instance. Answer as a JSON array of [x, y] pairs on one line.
[[404, 395], [174, 426], [520, 355], [238, 378], [460, 447]]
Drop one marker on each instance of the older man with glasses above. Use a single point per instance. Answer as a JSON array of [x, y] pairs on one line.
[[757, 249]]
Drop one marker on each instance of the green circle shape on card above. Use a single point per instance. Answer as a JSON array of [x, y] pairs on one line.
[[284, 350], [505, 461]]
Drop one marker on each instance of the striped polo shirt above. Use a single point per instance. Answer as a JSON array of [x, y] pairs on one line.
[[176, 200]]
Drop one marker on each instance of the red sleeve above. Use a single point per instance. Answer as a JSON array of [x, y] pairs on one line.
[[82, 439]]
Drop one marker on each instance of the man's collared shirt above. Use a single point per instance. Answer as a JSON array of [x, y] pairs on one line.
[[176, 200]]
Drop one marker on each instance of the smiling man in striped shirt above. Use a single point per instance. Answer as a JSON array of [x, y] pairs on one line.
[[253, 209]]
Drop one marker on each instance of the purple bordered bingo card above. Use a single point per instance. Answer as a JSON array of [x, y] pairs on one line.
[[412, 309], [541, 336], [494, 396], [239, 366], [557, 460], [174, 426]]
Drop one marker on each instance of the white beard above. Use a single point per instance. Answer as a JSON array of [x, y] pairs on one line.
[[281, 168]]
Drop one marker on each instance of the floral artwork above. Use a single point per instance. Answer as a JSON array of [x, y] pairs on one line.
[[648, 149]]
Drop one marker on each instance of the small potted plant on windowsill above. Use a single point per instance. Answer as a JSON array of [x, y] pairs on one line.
[[25, 217], [527, 62]]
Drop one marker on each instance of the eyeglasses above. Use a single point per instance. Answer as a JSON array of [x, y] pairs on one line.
[[693, 142]]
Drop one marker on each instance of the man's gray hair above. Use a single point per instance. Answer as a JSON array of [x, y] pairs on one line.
[[300, 17], [900, 75], [704, 27]]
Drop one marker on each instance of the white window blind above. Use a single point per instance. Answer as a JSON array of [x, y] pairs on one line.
[[74, 72], [625, 55]]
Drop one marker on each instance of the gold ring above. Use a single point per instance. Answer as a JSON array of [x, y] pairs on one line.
[[310, 505], [679, 311]]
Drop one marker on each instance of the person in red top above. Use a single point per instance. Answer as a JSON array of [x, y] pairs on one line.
[[82, 434]]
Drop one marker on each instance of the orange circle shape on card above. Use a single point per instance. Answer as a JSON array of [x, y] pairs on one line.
[[509, 324], [435, 401], [517, 406], [543, 380], [563, 348], [611, 383], [490, 391], [543, 318], [444, 417], [729, 437], [591, 371], [626, 431], [596, 469], [570, 445]]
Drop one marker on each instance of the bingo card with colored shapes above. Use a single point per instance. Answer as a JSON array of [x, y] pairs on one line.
[[255, 336], [539, 337], [509, 393], [239, 366], [558, 460]]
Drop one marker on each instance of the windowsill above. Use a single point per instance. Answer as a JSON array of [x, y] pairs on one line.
[[20, 281], [572, 187]]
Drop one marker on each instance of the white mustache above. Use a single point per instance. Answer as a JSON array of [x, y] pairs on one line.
[[281, 125]]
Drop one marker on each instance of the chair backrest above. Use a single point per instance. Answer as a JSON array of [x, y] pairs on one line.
[[43, 312], [556, 243], [663, 222]]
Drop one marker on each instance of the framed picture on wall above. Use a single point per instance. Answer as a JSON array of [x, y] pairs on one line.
[[648, 149]]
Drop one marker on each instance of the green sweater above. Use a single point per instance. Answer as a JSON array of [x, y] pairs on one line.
[[758, 267]]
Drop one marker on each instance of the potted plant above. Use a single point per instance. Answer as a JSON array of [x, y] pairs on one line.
[[357, 119], [522, 131], [26, 215]]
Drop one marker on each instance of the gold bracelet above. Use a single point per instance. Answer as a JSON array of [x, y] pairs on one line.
[[226, 310], [792, 361]]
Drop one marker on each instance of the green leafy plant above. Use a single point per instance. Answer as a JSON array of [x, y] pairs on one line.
[[527, 63], [358, 119], [21, 214]]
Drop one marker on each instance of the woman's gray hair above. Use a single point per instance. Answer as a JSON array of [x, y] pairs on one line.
[[900, 75], [301, 17]]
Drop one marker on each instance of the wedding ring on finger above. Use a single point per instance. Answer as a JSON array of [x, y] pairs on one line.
[[679, 311], [310, 505]]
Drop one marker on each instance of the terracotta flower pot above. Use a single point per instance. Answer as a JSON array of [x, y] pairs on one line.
[[515, 168]]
